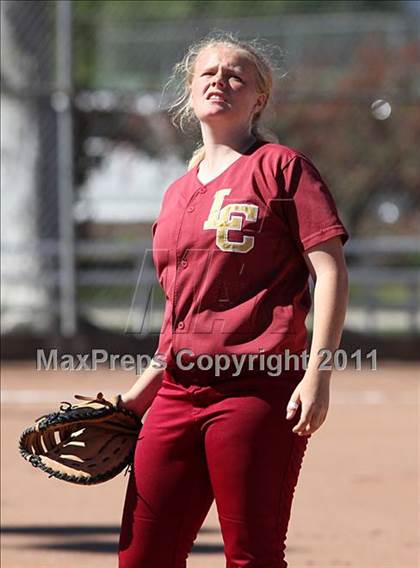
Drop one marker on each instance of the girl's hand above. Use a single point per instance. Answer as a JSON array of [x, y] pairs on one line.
[[312, 394]]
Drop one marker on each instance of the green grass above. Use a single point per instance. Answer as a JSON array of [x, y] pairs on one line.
[[385, 294], [117, 293]]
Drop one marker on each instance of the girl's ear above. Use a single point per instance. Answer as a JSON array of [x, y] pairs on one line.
[[262, 99], [259, 105]]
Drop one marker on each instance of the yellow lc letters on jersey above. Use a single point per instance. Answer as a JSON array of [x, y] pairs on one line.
[[223, 219]]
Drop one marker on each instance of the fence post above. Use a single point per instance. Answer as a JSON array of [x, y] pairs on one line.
[[61, 102]]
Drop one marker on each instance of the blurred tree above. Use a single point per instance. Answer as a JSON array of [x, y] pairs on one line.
[[366, 161], [178, 9], [88, 13]]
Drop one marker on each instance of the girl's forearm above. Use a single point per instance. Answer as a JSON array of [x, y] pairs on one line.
[[330, 305]]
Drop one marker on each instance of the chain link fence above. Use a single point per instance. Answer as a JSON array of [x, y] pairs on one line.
[[88, 151], [30, 216]]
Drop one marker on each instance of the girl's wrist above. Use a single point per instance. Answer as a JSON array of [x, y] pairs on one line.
[[133, 404], [317, 375], [127, 401]]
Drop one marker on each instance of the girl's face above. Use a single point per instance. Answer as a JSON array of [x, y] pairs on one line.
[[224, 86]]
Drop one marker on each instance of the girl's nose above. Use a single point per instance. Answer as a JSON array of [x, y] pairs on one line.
[[218, 80]]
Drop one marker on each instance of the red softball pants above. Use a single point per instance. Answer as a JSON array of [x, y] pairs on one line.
[[229, 442]]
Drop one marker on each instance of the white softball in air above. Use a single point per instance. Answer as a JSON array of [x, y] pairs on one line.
[[381, 109]]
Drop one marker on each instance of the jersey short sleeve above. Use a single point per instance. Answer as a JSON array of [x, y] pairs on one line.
[[308, 205]]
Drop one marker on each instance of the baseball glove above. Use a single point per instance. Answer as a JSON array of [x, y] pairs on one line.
[[85, 443]]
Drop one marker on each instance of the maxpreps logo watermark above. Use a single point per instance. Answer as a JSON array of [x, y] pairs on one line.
[[216, 363], [53, 361]]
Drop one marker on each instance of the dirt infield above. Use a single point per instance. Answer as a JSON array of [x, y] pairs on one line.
[[356, 503]]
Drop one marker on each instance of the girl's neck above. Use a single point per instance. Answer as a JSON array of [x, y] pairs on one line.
[[223, 148]]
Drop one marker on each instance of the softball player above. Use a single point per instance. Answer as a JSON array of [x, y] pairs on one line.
[[234, 245]]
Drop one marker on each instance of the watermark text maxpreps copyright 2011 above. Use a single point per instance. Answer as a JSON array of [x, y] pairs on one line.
[[185, 360]]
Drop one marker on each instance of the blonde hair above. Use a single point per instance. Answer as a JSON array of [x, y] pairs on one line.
[[181, 111]]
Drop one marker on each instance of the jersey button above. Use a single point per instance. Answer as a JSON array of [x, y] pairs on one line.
[[190, 208], [181, 325], [202, 190], [184, 263]]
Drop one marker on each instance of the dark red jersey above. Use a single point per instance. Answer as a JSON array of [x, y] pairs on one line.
[[228, 256]]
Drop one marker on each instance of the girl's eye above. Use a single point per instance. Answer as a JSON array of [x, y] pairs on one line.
[[237, 78]]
